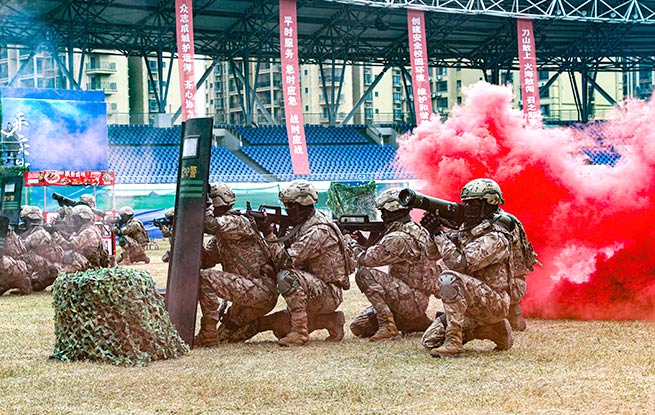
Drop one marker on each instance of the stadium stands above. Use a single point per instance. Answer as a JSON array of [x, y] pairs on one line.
[[315, 134], [146, 155]]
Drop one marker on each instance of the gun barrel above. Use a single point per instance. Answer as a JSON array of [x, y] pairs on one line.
[[447, 210]]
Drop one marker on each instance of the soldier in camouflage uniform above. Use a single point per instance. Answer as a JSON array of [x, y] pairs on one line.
[[400, 297], [315, 266], [132, 237], [84, 248], [43, 254], [474, 286], [247, 277], [167, 231], [14, 272]]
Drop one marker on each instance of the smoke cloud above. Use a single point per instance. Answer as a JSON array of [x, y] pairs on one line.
[[592, 225]]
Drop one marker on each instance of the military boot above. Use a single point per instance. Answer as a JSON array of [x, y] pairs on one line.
[[299, 334], [387, 329], [208, 335], [499, 333], [515, 317], [333, 322], [365, 324], [452, 346]]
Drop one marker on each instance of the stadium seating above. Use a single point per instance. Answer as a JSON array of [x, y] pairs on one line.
[[357, 162], [314, 134]]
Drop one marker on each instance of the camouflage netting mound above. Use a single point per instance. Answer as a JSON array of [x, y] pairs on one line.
[[344, 199], [112, 315]]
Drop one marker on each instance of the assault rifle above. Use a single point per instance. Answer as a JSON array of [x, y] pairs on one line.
[[354, 223], [451, 214], [65, 201], [274, 215], [161, 222]]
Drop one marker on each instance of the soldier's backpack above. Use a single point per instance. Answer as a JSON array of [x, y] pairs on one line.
[[523, 257]]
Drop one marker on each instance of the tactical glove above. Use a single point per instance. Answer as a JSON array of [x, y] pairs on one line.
[[432, 223]]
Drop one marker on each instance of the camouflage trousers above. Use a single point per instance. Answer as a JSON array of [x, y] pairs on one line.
[[14, 274], [251, 297], [407, 304], [44, 271], [310, 294], [133, 251], [476, 304], [75, 262]]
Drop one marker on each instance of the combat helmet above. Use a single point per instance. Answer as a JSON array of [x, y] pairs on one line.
[[301, 192], [483, 189], [126, 213], [221, 195], [389, 200], [83, 212], [32, 213], [169, 213], [88, 200]]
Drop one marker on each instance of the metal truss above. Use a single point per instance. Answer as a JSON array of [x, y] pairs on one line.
[[628, 11]]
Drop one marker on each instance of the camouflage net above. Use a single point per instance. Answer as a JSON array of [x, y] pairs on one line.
[[343, 199], [112, 315]]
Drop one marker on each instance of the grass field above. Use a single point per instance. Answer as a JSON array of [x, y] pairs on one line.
[[555, 367]]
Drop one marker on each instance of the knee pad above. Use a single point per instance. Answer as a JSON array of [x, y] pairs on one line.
[[287, 282], [364, 278], [448, 288]]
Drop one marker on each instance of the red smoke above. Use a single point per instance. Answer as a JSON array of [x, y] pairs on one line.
[[592, 225]]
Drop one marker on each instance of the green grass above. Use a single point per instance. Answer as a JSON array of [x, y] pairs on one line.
[[555, 367]]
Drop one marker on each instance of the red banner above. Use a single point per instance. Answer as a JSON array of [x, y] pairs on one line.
[[69, 178], [418, 54], [291, 87], [529, 72], [185, 56]]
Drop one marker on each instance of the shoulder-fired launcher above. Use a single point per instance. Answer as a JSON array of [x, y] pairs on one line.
[[451, 213]]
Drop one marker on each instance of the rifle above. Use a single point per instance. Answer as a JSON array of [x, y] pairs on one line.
[[274, 215], [161, 222], [65, 201], [351, 223], [451, 214]]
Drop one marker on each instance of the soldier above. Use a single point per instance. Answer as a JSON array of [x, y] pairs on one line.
[[43, 254], [315, 267], [247, 278], [400, 297], [83, 249], [88, 200], [14, 272], [132, 237], [167, 231], [474, 287]]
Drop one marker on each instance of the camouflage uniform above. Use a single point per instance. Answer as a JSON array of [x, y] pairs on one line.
[[405, 290], [14, 272], [83, 249], [132, 237], [251, 288], [43, 255], [474, 284], [167, 232], [315, 265]]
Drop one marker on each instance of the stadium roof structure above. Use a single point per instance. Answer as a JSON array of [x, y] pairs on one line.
[[610, 34], [571, 35]]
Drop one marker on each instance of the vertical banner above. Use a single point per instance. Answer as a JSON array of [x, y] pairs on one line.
[[185, 56], [418, 54], [529, 72], [291, 87]]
